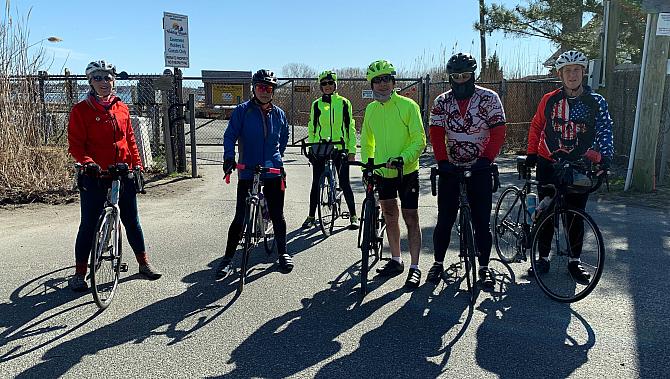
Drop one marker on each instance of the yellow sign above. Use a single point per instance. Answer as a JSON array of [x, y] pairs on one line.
[[227, 94]]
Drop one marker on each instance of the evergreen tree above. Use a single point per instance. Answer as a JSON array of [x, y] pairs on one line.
[[560, 21]]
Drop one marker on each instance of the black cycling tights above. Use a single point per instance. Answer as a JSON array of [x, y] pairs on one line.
[[479, 197], [275, 198], [318, 166]]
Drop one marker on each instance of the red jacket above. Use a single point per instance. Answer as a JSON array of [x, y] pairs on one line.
[[102, 136]]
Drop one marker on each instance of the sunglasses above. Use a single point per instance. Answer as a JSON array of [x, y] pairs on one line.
[[264, 88], [328, 83], [383, 78], [99, 78], [462, 75]]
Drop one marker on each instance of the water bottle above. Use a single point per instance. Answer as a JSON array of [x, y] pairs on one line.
[[531, 204], [544, 204]]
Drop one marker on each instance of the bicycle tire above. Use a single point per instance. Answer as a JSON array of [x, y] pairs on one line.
[[558, 283], [269, 241], [508, 225], [366, 244], [325, 206], [105, 259], [467, 237], [380, 229], [249, 231]]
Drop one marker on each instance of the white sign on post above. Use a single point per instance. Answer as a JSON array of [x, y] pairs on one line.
[[367, 94], [663, 26], [176, 39]]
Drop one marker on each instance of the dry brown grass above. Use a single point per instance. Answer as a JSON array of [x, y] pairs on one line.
[[29, 171]]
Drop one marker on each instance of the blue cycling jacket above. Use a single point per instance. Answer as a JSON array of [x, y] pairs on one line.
[[261, 138]]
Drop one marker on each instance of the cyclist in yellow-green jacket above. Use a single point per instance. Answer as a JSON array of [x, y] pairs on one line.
[[393, 131], [331, 118]]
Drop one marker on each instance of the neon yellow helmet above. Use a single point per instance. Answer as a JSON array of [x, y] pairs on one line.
[[327, 75], [380, 67]]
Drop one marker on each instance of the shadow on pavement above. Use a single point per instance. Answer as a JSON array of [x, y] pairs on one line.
[[28, 318], [200, 297], [527, 335]]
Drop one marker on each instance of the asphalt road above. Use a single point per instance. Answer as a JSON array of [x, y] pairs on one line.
[[313, 322]]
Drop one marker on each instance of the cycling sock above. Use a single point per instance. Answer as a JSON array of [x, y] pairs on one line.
[[142, 258], [80, 268], [545, 258], [574, 260], [438, 263], [397, 259], [483, 267], [414, 266]]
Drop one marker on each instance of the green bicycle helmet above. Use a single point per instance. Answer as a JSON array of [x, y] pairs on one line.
[[379, 68], [327, 75]]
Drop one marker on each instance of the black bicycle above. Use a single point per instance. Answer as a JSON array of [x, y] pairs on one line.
[[106, 251], [330, 194], [257, 223], [468, 247], [371, 233], [571, 232]]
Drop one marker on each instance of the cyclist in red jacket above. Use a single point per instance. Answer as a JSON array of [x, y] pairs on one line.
[[99, 135]]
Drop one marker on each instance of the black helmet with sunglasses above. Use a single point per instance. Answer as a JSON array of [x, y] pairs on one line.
[[264, 76], [461, 62]]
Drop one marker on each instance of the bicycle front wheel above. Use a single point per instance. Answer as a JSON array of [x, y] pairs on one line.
[[467, 240], [561, 236], [249, 239], [106, 259], [326, 205], [369, 239], [509, 225]]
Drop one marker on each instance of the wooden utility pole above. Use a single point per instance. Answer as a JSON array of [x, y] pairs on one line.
[[482, 40], [652, 84], [611, 38]]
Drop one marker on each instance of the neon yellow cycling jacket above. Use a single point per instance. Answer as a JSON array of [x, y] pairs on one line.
[[393, 129], [332, 121]]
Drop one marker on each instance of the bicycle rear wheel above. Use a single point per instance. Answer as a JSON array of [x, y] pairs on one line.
[[509, 225], [576, 235], [249, 238], [467, 240], [269, 234], [380, 229], [106, 259], [326, 208]]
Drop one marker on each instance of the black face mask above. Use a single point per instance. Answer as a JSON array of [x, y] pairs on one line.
[[463, 91]]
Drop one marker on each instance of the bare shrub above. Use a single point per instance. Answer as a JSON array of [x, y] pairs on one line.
[[28, 169]]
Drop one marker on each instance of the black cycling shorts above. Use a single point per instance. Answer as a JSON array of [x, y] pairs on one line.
[[408, 190]]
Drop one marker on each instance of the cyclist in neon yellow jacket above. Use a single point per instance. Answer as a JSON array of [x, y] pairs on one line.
[[393, 131], [331, 118]]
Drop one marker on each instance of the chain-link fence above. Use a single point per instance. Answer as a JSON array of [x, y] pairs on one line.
[[295, 95]]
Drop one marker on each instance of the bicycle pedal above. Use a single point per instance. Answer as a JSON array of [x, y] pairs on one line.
[[123, 267], [344, 215]]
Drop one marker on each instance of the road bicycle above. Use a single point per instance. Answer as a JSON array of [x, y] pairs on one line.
[[257, 223], [330, 194], [468, 251], [106, 252], [373, 226], [573, 233]]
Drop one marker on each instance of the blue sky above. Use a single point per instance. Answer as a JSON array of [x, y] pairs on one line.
[[247, 35]]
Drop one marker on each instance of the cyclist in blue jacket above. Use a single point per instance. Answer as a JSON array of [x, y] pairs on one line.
[[261, 130]]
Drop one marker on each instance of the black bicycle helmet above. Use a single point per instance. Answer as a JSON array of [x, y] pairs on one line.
[[264, 76], [460, 62]]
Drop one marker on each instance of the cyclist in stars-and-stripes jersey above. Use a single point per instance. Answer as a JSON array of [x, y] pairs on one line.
[[572, 123]]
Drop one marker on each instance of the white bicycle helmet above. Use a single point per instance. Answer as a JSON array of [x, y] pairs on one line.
[[572, 57], [101, 65]]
